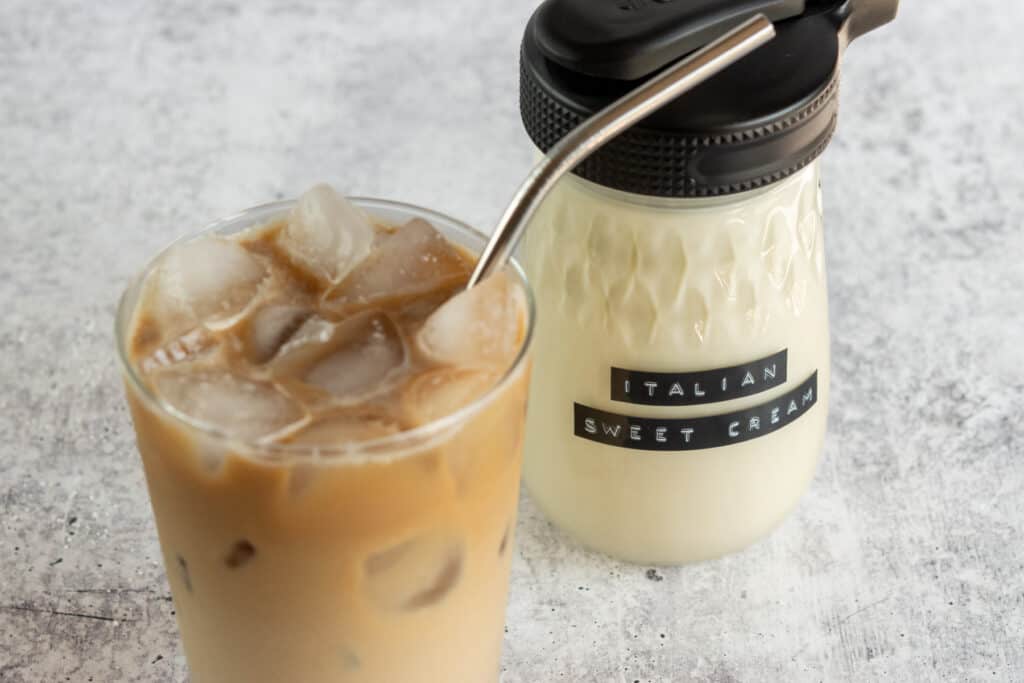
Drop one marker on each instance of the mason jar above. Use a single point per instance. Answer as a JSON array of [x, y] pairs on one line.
[[681, 368], [682, 364]]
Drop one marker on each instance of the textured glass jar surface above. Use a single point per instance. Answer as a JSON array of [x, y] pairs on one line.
[[680, 287]]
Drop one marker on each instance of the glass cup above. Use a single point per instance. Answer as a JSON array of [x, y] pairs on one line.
[[383, 560]]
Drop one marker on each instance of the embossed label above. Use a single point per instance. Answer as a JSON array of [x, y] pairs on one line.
[[695, 388], [658, 434]]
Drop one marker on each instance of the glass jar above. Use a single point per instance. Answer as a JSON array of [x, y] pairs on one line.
[[680, 392]]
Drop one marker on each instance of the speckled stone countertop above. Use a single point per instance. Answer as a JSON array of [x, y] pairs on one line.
[[125, 124]]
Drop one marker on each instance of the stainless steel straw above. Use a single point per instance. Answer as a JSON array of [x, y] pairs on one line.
[[603, 126]]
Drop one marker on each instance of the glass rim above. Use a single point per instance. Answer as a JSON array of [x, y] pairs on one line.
[[414, 439]]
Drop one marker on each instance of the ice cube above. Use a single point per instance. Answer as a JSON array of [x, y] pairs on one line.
[[189, 347], [415, 259], [345, 427], [412, 313], [478, 327], [443, 391], [326, 234], [414, 574], [210, 453], [352, 360], [269, 328], [331, 431], [234, 405], [301, 478], [209, 280]]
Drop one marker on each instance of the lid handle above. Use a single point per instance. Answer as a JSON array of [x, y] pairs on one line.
[[631, 39], [854, 18]]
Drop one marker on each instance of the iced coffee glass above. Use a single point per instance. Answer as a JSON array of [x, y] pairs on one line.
[[381, 558]]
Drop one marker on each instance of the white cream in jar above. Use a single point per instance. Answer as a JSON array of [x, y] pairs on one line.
[[715, 307]]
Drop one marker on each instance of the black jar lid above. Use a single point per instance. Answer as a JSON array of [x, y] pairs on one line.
[[758, 121]]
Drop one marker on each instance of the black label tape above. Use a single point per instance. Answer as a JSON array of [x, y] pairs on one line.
[[695, 388], [664, 434]]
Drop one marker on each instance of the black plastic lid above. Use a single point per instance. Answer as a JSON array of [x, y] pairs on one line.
[[758, 121]]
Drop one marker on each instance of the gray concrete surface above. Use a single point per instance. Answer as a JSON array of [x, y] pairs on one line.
[[125, 124]]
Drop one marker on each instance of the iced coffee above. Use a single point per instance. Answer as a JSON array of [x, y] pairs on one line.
[[331, 426]]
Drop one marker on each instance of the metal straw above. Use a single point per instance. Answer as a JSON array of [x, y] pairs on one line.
[[603, 126]]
